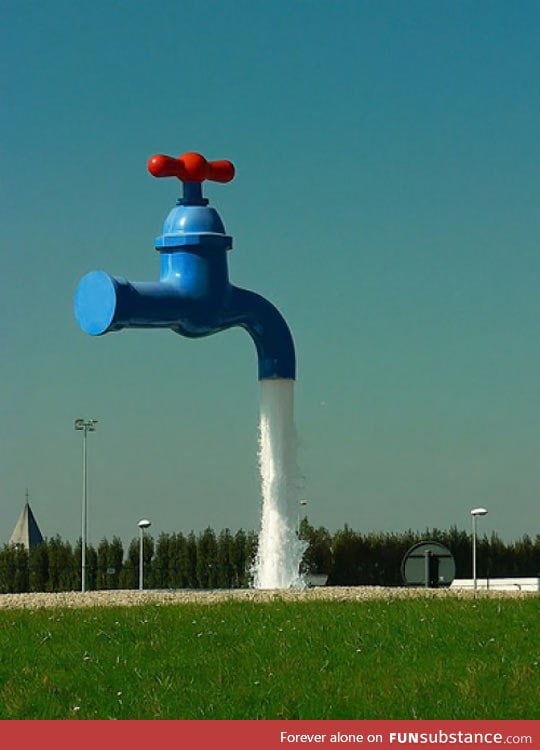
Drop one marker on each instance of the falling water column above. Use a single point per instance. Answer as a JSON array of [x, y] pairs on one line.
[[279, 551]]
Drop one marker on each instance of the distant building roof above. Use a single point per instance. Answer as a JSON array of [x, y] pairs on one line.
[[26, 531]]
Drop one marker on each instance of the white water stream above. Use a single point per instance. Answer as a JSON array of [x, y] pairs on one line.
[[279, 551]]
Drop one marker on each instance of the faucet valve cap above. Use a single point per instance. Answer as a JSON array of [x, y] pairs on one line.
[[191, 167]]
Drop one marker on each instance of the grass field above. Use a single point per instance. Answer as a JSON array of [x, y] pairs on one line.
[[439, 658]]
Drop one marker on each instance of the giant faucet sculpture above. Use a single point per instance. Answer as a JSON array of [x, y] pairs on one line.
[[193, 296]]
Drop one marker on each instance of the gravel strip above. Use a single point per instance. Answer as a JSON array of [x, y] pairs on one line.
[[130, 598]]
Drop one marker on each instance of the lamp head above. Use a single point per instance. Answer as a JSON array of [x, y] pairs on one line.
[[144, 523], [86, 424], [478, 512]]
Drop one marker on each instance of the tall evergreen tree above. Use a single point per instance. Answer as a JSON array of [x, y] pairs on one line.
[[177, 576], [239, 559], [252, 543], [318, 557], [345, 571], [129, 577], [115, 561], [207, 559], [38, 564], [63, 563], [225, 578], [160, 563], [102, 581], [189, 564], [7, 569], [91, 567]]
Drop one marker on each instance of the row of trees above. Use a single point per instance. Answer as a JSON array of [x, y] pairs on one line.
[[225, 560], [352, 558], [174, 561]]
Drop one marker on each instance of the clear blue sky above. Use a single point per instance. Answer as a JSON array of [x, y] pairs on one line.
[[386, 200]]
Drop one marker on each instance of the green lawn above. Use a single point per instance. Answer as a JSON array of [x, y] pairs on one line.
[[397, 659]]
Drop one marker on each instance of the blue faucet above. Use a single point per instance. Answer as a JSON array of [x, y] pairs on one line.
[[193, 296]]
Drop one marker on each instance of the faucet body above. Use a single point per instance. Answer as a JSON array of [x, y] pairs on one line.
[[193, 296]]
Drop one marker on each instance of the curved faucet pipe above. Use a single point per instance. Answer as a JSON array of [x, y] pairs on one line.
[[193, 296]]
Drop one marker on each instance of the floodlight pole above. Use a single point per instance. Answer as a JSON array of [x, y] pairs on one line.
[[475, 513], [85, 426]]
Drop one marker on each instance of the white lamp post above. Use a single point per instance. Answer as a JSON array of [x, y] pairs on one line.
[[143, 524], [475, 512], [86, 426], [302, 504]]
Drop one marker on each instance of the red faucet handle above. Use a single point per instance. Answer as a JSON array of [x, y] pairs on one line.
[[190, 167]]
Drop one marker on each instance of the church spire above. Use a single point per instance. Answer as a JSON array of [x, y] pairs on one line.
[[26, 532]]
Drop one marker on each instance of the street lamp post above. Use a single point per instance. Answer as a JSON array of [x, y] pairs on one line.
[[302, 504], [86, 426], [475, 512], [143, 524]]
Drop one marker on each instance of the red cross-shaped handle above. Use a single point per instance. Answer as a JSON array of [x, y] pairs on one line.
[[190, 167]]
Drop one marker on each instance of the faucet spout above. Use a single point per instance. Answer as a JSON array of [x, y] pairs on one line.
[[270, 333]]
